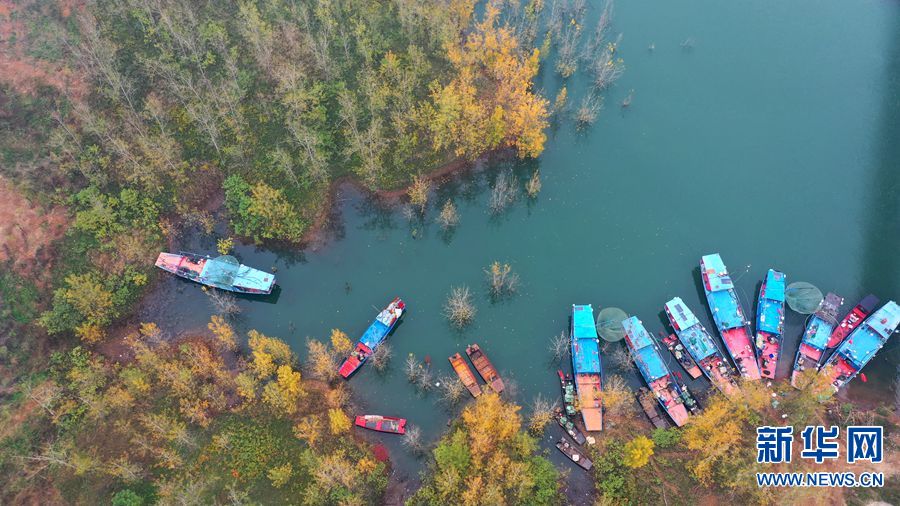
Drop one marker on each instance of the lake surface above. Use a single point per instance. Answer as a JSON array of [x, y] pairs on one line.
[[774, 140]]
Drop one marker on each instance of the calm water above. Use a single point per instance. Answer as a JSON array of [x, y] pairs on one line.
[[773, 141]]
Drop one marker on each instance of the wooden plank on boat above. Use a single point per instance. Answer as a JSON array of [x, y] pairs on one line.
[[461, 367], [484, 367]]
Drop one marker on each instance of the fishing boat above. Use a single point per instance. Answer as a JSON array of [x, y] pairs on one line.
[[862, 344], [728, 315], [586, 365], [654, 370], [571, 429], [574, 454], [689, 401], [815, 337], [382, 423], [484, 367], [373, 336], [852, 320], [461, 367], [700, 345], [568, 390], [681, 355], [224, 272], [651, 408], [770, 322]]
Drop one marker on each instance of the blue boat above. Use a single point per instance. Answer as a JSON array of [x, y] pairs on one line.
[[770, 322], [728, 315], [700, 345], [586, 366], [815, 337], [373, 337], [223, 272], [654, 370], [862, 344]]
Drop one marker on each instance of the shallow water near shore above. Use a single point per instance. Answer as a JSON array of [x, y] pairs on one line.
[[772, 139]]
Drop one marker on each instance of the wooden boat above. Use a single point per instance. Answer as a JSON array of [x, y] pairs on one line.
[[571, 429], [681, 355], [654, 370], [373, 337], [568, 391], [728, 316], [586, 365], [223, 272], [574, 454], [651, 408], [484, 367], [461, 367], [380, 423], [689, 400]]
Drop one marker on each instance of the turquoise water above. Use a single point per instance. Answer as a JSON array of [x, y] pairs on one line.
[[773, 140]]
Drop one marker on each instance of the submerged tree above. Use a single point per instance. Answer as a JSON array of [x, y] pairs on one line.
[[449, 217], [587, 111], [452, 390], [381, 357], [533, 186], [504, 192], [418, 193], [501, 279], [541, 414], [459, 308], [559, 345]]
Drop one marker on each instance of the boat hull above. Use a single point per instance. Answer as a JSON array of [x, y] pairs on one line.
[[199, 269], [587, 366], [770, 322], [377, 332], [378, 423], [485, 368], [461, 368], [574, 454]]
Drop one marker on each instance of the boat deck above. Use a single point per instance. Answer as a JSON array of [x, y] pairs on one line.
[[737, 341], [769, 353], [590, 400]]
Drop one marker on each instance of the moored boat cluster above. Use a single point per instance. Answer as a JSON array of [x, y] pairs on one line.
[[837, 349]]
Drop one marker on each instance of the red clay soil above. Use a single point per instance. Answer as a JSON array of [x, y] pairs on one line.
[[27, 231], [23, 73]]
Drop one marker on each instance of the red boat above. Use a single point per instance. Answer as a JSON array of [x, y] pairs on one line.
[[377, 332], [852, 320], [382, 423]]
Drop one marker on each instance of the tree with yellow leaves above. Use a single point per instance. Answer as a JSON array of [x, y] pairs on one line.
[[223, 331], [283, 393], [489, 102], [637, 452], [338, 421], [340, 343]]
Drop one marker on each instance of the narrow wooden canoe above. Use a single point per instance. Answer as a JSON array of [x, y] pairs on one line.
[[382, 423], [461, 367], [484, 367], [651, 408], [574, 454]]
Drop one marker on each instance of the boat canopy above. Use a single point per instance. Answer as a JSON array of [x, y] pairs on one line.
[[861, 345], [716, 273], [725, 309], [646, 356], [770, 312], [375, 334], [683, 316], [221, 270], [885, 320], [583, 322], [818, 332], [585, 345], [774, 285]]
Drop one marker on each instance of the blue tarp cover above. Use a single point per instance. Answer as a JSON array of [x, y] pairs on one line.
[[715, 270], [817, 333], [698, 342], [683, 316], [374, 334], [724, 307], [885, 320], [636, 332], [861, 345], [650, 363], [583, 325], [585, 345], [775, 285]]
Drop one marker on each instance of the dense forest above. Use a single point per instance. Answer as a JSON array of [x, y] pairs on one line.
[[126, 126]]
